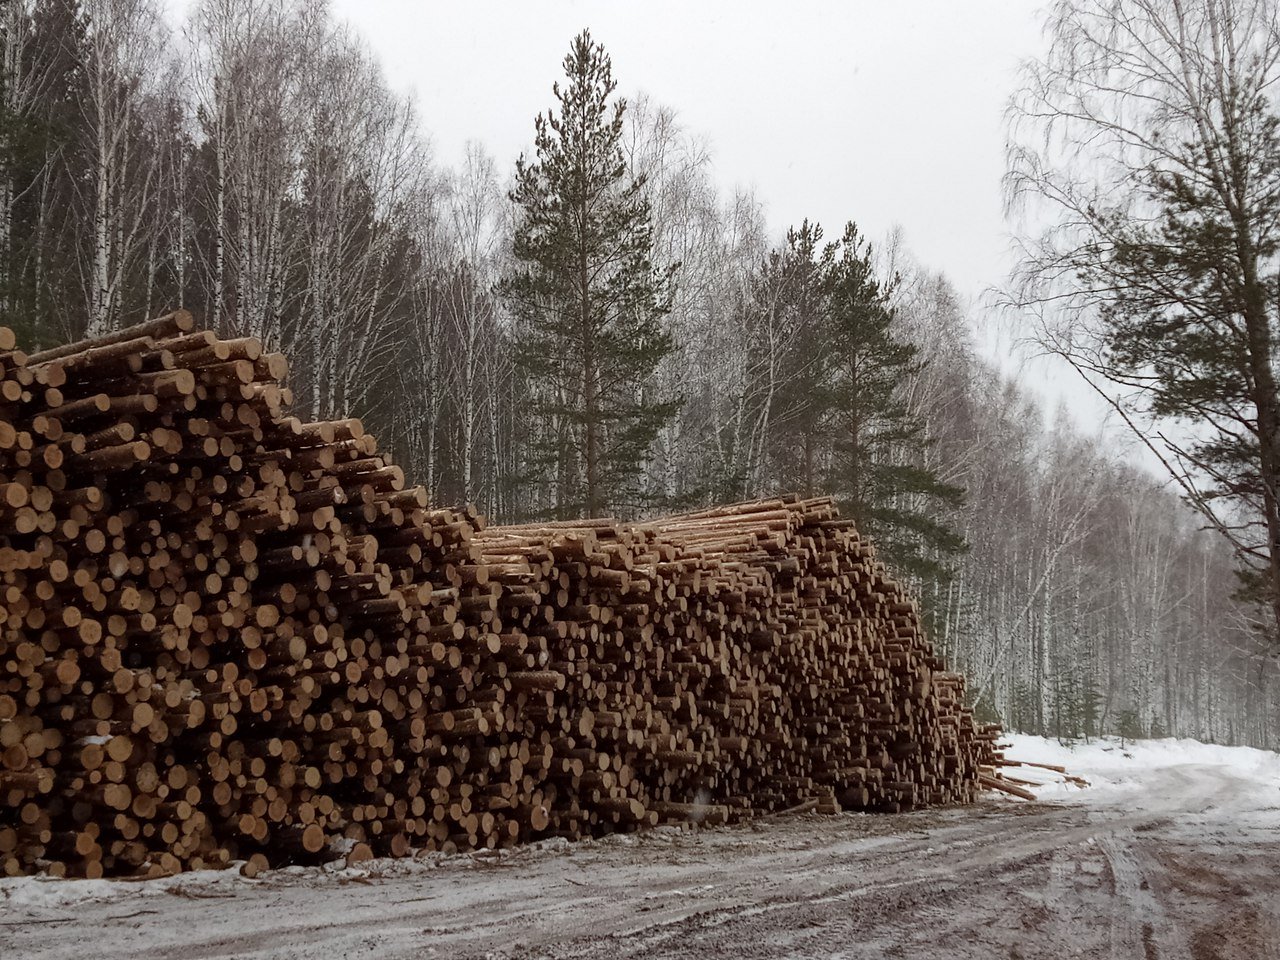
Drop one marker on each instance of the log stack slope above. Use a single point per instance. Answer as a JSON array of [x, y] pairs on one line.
[[229, 635]]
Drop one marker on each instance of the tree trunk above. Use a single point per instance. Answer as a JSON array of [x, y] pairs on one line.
[[99, 307], [1258, 332], [9, 81], [590, 400]]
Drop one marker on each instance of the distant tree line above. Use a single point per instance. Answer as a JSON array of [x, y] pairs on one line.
[[600, 330]]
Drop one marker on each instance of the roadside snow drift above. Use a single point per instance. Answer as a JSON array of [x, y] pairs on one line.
[[1113, 766]]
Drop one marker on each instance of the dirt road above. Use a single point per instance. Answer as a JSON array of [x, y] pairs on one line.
[[1188, 868]]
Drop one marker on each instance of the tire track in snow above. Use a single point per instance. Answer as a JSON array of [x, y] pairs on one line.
[[1140, 926]]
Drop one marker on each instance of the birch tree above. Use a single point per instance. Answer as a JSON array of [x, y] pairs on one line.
[[125, 50], [248, 67], [362, 162], [476, 232]]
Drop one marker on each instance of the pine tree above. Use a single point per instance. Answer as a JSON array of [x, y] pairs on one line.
[[1090, 710], [790, 356], [1203, 351], [1162, 200], [875, 469], [1129, 725], [589, 297]]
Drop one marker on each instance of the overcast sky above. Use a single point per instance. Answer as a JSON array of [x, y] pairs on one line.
[[885, 113]]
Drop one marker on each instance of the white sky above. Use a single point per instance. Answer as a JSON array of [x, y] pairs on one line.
[[885, 113]]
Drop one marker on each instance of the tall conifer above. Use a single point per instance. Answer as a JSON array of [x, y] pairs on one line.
[[588, 297], [876, 467]]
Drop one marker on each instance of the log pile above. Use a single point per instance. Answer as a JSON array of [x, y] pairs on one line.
[[232, 636]]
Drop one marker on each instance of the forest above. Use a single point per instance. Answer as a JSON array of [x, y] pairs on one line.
[[252, 164]]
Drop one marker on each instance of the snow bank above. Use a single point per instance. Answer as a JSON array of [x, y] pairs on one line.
[[41, 892], [52, 893], [1112, 766]]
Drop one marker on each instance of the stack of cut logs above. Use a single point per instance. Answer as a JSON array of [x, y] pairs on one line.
[[230, 635]]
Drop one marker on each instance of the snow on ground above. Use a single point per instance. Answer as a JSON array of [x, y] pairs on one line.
[[1113, 766], [53, 893]]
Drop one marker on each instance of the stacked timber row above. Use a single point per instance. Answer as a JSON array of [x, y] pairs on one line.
[[734, 662], [229, 635]]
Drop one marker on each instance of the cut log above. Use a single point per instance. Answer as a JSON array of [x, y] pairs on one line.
[[235, 637]]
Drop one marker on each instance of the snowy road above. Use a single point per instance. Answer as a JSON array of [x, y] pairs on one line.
[[1177, 858]]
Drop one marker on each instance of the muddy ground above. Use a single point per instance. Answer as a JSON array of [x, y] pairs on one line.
[[1186, 867]]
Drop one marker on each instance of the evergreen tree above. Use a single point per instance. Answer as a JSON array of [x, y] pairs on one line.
[[1188, 325], [875, 470], [1129, 725], [589, 298], [43, 165], [1090, 711], [1166, 193], [790, 354]]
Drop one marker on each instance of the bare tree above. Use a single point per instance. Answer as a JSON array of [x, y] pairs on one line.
[[248, 64], [16, 99], [477, 233], [362, 162], [126, 48]]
